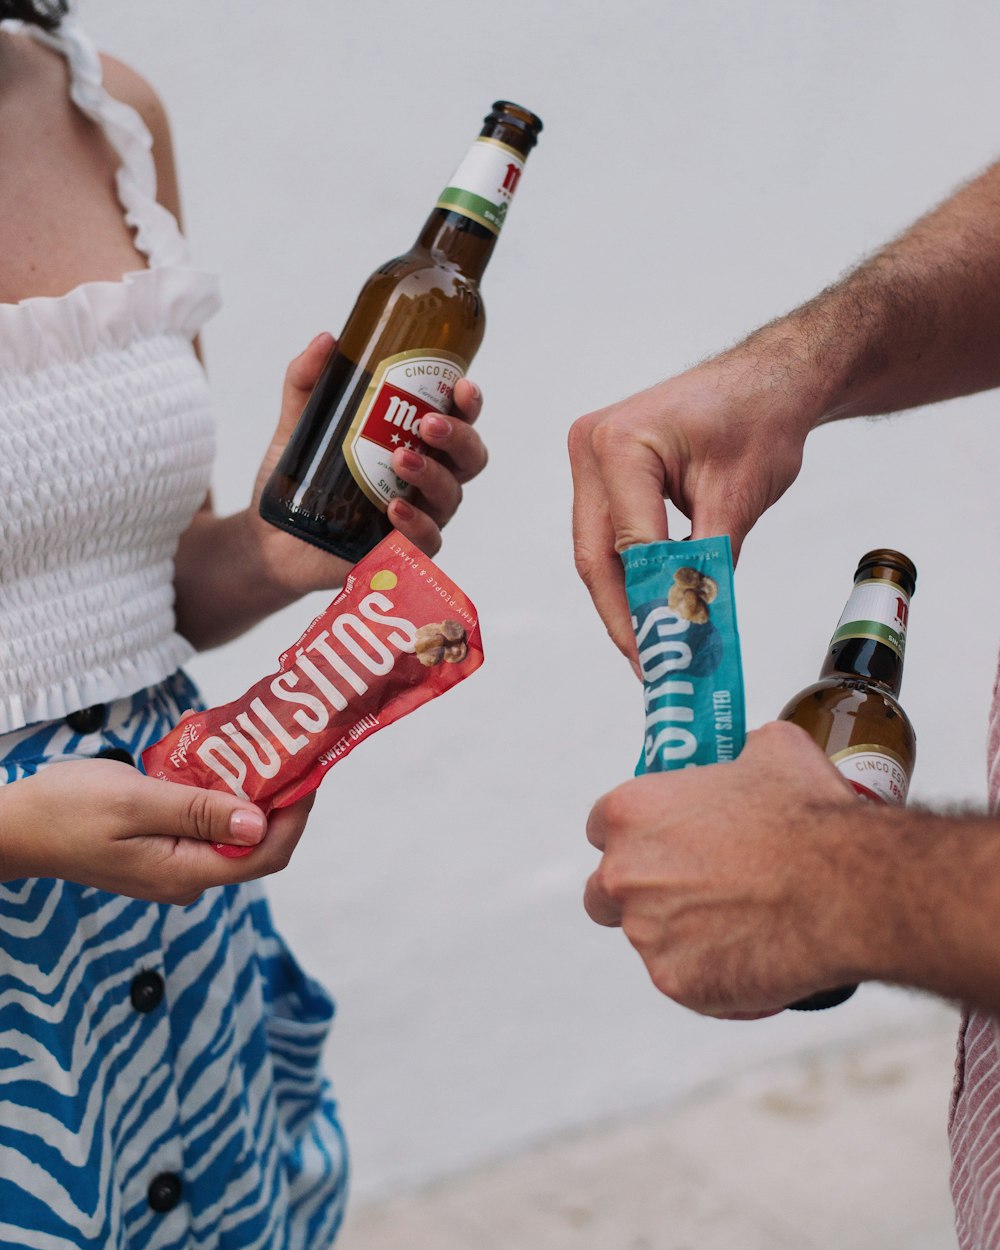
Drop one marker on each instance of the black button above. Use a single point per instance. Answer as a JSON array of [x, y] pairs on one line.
[[117, 753], [147, 991], [164, 1192], [88, 720]]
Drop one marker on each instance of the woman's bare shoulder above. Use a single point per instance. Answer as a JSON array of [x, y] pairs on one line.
[[129, 86]]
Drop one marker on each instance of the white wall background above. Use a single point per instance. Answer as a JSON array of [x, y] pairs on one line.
[[703, 167]]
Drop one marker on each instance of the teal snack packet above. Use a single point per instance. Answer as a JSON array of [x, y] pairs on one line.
[[684, 617]]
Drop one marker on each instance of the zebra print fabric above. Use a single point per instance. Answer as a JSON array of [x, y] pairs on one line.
[[160, 1079]]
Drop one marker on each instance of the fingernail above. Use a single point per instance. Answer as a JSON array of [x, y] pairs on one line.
[[247, 826], [476, 392], [230, 851], [403, 510], [411, 460], [436, 427]]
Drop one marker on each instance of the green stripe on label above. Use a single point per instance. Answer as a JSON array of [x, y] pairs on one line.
[[475, 206], [871, 629]]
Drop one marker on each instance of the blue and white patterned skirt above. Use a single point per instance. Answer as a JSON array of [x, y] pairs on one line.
[[160, 1066]]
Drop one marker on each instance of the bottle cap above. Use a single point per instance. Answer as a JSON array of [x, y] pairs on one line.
[[511, 114], [887, 557]]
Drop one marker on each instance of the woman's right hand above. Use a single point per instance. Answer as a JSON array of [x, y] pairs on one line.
[[102, 823]]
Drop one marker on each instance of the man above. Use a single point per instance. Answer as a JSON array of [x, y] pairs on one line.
[[735, 913]]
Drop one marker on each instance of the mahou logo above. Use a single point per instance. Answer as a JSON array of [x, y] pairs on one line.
[[512, 176], [394, 418], [902, 612]]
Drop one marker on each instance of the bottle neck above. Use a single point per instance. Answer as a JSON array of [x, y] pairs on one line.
[[464, 225], [457, 240], [870, 639]]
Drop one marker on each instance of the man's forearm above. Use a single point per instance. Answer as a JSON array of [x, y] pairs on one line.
[[929, 903], [916, 323]]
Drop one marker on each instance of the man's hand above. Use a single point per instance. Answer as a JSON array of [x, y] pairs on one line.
[[914, 324], [743, 886], [105, 824], [721, 442]]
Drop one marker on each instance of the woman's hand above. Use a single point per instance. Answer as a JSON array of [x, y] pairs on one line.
[[105, 824], [460, 455], [231, 572]]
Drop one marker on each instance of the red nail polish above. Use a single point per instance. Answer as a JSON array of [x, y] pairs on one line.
[[436, 427], [230, 851]]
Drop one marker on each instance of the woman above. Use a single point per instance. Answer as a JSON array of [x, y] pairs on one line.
[[159, 1047]]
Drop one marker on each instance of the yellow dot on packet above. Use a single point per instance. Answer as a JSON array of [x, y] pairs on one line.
[[384, 579]]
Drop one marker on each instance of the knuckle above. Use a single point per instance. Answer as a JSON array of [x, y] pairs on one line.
[[607, 435], [628, 535], [578, 438], [177, 893], [611, 880], [278, 862], [643, 935], [614, 810], [197, 816], [776, 737], [585, 562], [666, 979], [427, 535]]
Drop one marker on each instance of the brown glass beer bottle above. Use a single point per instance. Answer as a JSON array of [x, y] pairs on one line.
[[853, 711], [415, 327]]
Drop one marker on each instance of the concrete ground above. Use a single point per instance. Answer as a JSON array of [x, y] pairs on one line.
[[841, 1151]]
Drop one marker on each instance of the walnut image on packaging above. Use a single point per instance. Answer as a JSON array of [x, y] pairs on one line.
[[691, 594], [444, 641]]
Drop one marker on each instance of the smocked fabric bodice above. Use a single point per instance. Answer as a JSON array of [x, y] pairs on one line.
[[106, 446]]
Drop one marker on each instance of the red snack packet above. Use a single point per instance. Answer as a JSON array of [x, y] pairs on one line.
[[398, 634]]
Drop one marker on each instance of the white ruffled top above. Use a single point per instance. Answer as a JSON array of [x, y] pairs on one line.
[[106, 447]]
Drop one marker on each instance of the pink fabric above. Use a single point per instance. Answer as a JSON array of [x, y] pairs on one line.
[[974, 1123]]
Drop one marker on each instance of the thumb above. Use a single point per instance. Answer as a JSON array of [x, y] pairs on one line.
[[633, 478], [300, 378], [170, 809], [711, 520]]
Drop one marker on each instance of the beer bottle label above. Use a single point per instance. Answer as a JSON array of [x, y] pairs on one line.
[[403, 390], [484, 184], [877, 774], [878, 610]]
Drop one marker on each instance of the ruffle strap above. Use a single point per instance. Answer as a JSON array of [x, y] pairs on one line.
[[157, 233], [168, 297]]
